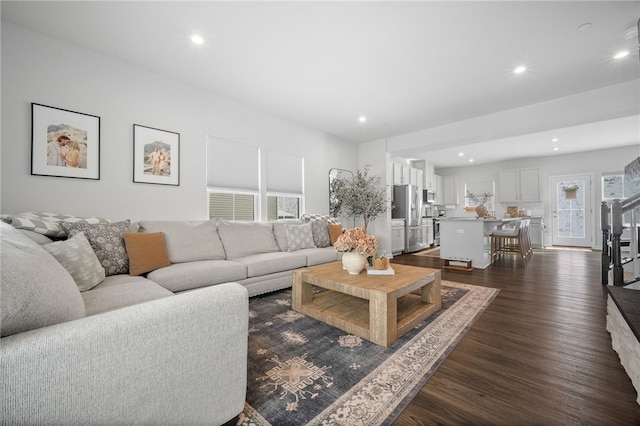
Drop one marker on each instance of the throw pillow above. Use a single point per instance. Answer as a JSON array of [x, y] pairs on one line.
[[147, 252], [320, 233], [281, 234], [334, 232], [107, 242], [79, 259], [48, 224], [36, 290], [299, 237]]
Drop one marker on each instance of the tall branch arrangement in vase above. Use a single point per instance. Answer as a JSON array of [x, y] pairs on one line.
[[362, 196]]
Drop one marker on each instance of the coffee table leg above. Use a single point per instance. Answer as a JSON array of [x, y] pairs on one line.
[[432, 293], [383, 318], [302, 292]]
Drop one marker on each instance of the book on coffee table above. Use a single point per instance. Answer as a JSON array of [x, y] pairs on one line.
[[388, 271]]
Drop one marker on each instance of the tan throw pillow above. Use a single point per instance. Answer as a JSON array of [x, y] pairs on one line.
[[334, 232], [147, 251]]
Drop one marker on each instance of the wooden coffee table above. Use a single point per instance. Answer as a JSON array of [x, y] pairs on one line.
[[379, 308]]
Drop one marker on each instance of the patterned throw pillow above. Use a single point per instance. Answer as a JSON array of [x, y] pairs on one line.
[[299, 237], [319, 227], [107, 242], [47, 223], [79, 259]]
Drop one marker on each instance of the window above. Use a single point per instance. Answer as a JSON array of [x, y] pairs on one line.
[[240, 178], [479, 193], [283, 207], [231, 206]]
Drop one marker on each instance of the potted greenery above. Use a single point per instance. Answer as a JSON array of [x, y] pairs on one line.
[[570, 192], [361, 196]]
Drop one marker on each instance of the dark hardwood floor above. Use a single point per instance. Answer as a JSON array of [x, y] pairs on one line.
[[539, 355]]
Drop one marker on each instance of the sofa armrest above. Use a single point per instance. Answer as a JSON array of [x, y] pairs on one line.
[[177, 360]]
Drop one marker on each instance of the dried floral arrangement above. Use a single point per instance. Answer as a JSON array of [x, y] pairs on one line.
[[357, 240]]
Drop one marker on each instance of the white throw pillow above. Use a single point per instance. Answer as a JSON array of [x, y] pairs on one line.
[[79, 259], [299, 237]]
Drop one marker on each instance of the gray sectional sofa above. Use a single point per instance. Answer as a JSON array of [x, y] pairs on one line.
[[168, 346]]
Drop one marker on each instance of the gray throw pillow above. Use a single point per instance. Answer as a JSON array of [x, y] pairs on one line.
[[107, 241], [299, 237], [36, 290], [79, 259], [320, 230], [280, 233]]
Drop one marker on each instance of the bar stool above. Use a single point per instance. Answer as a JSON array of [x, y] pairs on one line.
[[512, 239]]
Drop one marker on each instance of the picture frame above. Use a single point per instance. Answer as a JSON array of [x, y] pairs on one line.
[[156, 156], [64, 143]]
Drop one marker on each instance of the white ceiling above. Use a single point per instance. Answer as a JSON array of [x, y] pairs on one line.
[[407, 66]]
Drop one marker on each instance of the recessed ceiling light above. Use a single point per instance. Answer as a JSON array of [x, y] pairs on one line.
[[519, 69], [197, 39], [471, 160], [362, 119], [555, 148], [554, 139], [621, 54], [460, 154]]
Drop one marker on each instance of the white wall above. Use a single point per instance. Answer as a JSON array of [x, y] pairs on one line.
[[596, 163], [37, 68]]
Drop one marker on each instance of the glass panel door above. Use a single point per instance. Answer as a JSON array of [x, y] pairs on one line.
[[571, 207]]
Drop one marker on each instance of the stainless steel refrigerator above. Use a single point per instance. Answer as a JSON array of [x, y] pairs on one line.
[[407, 203]]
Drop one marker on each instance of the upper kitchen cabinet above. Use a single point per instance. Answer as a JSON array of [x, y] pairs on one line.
[[429, 177], [520, 185], [450, 193], [404, 174], [439, 190]]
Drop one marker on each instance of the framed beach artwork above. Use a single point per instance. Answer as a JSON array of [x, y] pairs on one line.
[[64, 143], [156, 156]]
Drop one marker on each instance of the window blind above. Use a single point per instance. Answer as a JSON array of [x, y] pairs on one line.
[[285, 173], [232, 165]]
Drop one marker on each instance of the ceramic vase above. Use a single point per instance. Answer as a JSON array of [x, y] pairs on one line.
[[481, 210], [353, 262]]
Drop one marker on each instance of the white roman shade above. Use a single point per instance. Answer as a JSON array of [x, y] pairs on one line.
[[285, 173], [232, 165]]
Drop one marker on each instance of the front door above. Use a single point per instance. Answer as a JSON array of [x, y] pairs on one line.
[[571, 210]]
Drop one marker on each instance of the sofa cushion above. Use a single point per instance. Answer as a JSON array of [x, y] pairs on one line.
[[146, 251], [281, 234], [317, 256], [246, 238], [203, 273], [79, 259], [38, 238], [107, 298], [47, 223], [299, 237], [188, 241], [36, 290], [107, 242], [269, 263]]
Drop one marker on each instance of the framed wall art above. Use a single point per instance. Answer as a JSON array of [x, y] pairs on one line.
[[156, 156], [64, 143]]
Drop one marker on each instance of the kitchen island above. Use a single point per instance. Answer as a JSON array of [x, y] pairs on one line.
[[465, 238]]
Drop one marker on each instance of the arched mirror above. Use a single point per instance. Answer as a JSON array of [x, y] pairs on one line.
[[336, 179]]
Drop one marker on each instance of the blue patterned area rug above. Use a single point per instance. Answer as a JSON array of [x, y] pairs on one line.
[[304, 372]]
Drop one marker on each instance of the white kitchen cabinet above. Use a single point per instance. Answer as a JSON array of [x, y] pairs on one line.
[[450, 195], [413, 172], [519, 185], [536, 232], [397, 236], [402, 174], [429, 177], [439, 190]]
